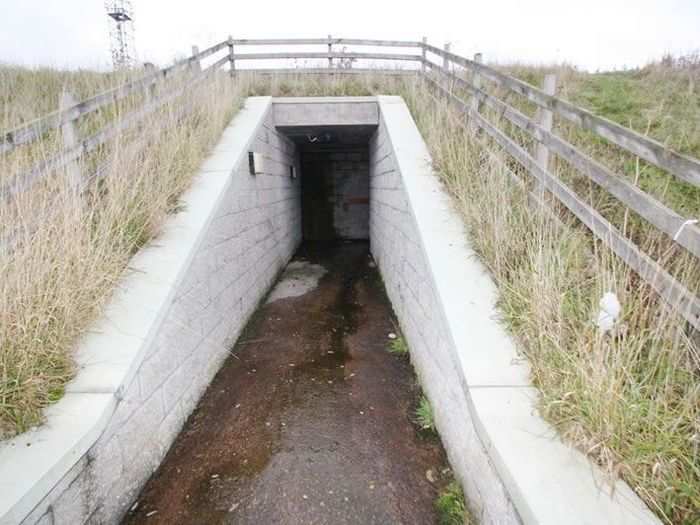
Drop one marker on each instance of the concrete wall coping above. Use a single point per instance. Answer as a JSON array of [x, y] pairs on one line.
[[548, 481], [110, 354], [325, 111], [322, 100]]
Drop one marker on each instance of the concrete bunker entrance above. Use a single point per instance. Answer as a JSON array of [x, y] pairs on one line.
[[331, 138], [334, 169], [310, 419]]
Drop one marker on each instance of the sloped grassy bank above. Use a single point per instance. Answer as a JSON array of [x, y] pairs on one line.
[[61, 256]]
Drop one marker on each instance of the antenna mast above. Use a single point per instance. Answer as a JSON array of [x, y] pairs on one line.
[[121, 33]]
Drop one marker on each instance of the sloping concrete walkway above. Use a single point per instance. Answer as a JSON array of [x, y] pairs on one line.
[[309, 420]]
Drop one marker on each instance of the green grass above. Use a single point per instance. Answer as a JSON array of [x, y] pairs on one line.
[[451, 507], [424, 415], [398, 346]]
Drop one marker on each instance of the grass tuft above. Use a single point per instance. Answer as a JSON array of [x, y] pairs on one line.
[[424, 415], [398, 346], [629, 399], [451, 507]]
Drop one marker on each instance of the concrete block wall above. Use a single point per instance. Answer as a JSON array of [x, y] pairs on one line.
[[254, 229], [396, 246]]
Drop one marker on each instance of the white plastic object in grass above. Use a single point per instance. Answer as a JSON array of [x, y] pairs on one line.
[[609, 312]]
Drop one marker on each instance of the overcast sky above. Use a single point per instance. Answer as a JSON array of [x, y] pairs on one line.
[[592, 34]]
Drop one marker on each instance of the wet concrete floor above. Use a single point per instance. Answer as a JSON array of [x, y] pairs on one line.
[[310, 418]]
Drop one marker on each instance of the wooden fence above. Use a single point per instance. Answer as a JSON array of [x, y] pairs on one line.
[[442, 70]]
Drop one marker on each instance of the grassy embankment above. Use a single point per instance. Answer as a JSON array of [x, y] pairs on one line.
[[61, 256]]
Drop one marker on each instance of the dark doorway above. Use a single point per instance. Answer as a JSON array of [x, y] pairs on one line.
[[334, 162], [335, 193]]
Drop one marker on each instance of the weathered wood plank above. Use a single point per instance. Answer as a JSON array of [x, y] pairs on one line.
[[302, 54], [324, 41], [326, 71], [195, 63], [475, 103], [231, 60], [70, 140], [668, 288], [545, 119], [683, 167], [330, 50], [665, 219], [34, 130]]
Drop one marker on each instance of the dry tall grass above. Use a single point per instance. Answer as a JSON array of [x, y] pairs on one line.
[[62, 253], [629, 399]]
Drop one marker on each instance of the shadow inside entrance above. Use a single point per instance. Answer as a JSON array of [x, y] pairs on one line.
[[309, 419]]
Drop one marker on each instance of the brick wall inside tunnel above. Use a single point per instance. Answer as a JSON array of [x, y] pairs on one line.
[[335, 193]]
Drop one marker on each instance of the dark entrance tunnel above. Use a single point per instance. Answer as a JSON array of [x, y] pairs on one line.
[[334, 163]]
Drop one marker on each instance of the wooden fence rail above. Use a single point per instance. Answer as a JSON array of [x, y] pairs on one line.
[[644, 204], [331, 55], [326, 41], [683, 167], [26, 180], [444, 79], [668, 288], [36, 129]]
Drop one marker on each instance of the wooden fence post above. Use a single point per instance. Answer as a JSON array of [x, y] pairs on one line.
[[475, 104], [422, 64], [446, 69], [196, 66], [231, 60], [69, 136], [545, 119], [330, 50], [151, 92]]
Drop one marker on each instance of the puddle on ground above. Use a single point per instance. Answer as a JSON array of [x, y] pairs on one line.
[[298, 278], [309, 420]]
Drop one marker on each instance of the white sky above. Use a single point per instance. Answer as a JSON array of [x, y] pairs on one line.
[[593, 34]]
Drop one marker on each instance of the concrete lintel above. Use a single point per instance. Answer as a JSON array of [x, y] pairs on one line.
[[325, 111]]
